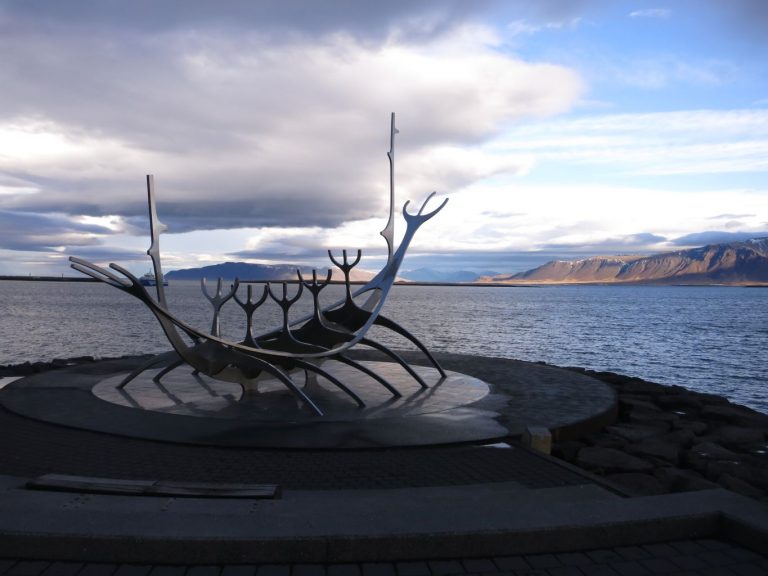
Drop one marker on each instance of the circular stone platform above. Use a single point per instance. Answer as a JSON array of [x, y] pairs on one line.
[[481, 400], [185, 393]]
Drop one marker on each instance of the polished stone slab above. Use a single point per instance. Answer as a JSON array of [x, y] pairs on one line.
[[182, 392], [483, 400]]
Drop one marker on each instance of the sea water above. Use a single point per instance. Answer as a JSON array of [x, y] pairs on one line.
[[711, 339]]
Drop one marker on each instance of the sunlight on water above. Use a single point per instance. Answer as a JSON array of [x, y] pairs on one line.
[[706, 338]]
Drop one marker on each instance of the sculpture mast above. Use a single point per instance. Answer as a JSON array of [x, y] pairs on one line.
[[155, 228], [389, 230]]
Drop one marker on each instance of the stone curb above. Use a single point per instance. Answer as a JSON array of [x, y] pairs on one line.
[[530, 523]]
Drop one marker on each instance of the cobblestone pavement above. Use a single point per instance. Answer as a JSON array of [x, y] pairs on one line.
[[683, 558]]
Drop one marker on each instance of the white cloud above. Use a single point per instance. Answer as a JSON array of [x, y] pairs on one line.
[[662, 71], [685, 142], [527, 28], [229, 121], [581, 214]]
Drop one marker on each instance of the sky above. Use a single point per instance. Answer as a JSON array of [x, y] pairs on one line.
[[558, 129]]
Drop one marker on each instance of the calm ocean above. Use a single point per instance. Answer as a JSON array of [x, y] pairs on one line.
[[711, 339]]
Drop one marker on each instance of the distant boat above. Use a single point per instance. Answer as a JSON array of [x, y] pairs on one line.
[[149, 280]]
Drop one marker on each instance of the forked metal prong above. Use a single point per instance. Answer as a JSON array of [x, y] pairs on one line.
[[125, 272], [92, 270], [419, 216], [96, 275]]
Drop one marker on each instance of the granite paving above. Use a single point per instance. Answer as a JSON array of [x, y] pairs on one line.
[[429, 510]]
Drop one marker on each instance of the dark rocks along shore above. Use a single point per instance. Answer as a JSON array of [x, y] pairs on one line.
[[29, 368], [671, 439]]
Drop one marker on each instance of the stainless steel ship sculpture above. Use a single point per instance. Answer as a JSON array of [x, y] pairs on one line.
[[296, 347]]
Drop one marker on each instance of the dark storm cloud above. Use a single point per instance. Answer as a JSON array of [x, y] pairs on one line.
[[31, 232], [107, 254], [716, 237], [417, 17], [185, 213], [264, 212]]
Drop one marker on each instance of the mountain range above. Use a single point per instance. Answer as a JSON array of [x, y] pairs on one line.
[[259, 272], [450, 276], [729, 263]]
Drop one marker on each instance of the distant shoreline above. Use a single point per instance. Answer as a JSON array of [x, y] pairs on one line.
[[47, 279], [414, 283]]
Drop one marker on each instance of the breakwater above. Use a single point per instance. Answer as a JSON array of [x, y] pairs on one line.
[[672, 439]]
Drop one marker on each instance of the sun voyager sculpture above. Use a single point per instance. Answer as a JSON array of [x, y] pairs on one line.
[[296, 348]]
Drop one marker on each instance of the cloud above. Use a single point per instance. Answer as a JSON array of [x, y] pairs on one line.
[[417, 18], [30, 232], [716, 237], [502, 215], [105, 254], [527, 28], [639, 241], [661, 143], [666, 70], [243, 128], [651, 13], [729, 216]]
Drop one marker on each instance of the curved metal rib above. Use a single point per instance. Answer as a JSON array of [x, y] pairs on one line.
[[396, 357], [331, 378], [395, 327], [368, 372], [170, 368], [146, 366]]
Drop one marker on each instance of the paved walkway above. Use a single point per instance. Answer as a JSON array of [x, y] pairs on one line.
[[686, 557], [419, 511], [29, 448]]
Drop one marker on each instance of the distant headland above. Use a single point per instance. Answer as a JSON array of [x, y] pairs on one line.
[[733, 263]]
